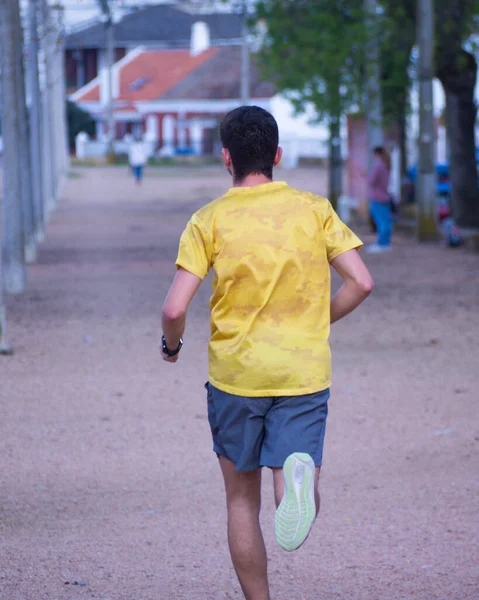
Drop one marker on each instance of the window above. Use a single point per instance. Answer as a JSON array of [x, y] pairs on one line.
[[139, 83]]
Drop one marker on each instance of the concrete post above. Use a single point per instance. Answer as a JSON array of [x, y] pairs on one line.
[[35, 121], [24, 156], [13, 236]]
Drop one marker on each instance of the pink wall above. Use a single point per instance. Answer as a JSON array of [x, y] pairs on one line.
[[358, 159]]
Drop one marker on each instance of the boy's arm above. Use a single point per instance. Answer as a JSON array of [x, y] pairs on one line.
[[173, 318], [358, 284]]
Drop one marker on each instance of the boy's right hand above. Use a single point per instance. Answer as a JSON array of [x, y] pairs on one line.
[[358, 284]]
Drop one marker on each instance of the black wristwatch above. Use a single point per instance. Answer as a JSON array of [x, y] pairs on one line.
[[167, 351]]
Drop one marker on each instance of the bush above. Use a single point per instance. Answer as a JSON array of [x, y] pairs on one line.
[[78, 120]]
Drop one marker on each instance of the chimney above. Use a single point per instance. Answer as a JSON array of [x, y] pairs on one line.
[[200, 38], [105, 80]]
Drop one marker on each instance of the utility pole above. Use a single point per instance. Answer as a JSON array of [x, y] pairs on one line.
[[35, 121], [245, 58], [110, 59], [426, 174], [373, 83], [45, 128], [63, 142], [24, 157], [58, 94], [13, 240]]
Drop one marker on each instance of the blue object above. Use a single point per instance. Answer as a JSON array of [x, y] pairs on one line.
[[443, 186], [138, 172], [184, 151], [381, 214]]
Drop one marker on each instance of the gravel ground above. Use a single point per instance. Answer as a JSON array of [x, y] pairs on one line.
[[108, 485]]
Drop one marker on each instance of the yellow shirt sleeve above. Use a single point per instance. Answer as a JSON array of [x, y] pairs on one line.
[[195, 251], [338, 237]]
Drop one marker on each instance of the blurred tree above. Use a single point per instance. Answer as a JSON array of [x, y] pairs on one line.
[[456, 68], [456, 23], [78, 120], [314, 53], [398, 39]]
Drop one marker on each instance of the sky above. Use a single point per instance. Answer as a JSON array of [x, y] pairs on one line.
[[78, 11]]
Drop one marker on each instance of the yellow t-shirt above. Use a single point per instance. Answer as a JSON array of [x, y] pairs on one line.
[[270, 247]]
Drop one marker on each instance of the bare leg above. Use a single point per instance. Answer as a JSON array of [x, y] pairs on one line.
[[279, 487], [243, 500]]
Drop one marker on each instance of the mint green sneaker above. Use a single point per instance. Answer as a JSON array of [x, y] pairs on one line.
[[297, 511]]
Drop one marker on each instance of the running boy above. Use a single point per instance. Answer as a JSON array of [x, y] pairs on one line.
[[270, 247]]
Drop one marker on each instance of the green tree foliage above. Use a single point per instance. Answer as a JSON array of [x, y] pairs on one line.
[[456, 68], [78, 120], [313, 50], [398, 27], [314, 53], [397, 41]]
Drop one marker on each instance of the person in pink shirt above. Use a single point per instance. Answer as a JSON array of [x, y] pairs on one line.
[[380, 200]]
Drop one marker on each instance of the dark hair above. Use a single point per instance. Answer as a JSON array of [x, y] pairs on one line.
[[250, 134], [383, 155]]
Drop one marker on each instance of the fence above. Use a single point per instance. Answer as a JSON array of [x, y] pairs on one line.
[[86, 148]]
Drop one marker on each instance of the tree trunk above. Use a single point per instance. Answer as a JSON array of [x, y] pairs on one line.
[[335, 162], [401, 124], [458, 79]]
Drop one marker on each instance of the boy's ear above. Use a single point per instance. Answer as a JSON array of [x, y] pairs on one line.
[[278, 157], [226, 158]]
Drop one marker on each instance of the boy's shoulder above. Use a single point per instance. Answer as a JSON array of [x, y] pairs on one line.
[[309, 197], [286, 194]]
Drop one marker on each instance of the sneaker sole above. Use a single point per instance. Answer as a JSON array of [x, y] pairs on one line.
[[296, 513]]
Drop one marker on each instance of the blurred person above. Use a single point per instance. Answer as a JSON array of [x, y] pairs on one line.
[[380, 200], [137, 157], [270, 247]]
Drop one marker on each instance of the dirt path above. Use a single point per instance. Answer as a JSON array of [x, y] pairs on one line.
[[107, 477]]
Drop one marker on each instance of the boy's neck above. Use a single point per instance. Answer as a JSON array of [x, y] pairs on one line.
[[252, 180]]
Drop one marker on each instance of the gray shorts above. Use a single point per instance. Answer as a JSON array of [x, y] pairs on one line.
[[263, 432]]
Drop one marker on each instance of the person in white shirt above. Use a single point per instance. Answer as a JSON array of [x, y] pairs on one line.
[[137, 157]]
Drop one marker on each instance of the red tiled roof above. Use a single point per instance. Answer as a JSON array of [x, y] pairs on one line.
[[93, 95], [219, 79], [127, 108], [155, 72], [130, 108]]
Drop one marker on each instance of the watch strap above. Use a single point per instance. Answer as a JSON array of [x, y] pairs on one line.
[[167, 350]]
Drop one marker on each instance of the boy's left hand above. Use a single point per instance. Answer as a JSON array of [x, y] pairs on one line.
[[169, 359]]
